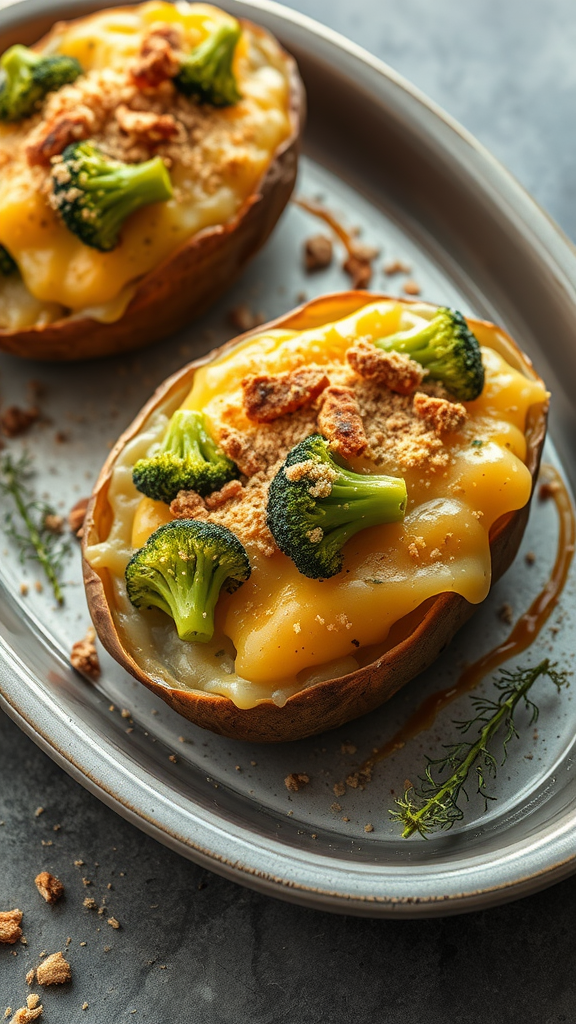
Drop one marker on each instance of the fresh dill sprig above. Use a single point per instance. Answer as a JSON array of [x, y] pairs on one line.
[[434, 806], [28, 527]]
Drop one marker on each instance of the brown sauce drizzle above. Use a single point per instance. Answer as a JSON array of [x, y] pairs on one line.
[[523, 634], [317, 210]]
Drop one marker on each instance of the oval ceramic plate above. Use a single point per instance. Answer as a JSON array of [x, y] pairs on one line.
[[384, 159]]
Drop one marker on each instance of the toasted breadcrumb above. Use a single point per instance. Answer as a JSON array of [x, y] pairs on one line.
[[186, 504], [31, 977], [243, 319], [54, 523], [396, 267], [158, 59], [113, 922], [411, 287], [442, 416], [10, 930], [506, 613], [49, 887], [529, 558], [268, 397], [295, 781], [148, 126], [16, 421], [77, 515], [317, 253], [359, 270], [26, 1014], [340, 421], [84, 656], [90, 903], [368, 828], [392, 370], [32, 1001], [50, 138], [232, 489], [54, 970]]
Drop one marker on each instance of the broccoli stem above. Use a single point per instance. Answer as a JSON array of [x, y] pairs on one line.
[[188, 592], [415, 343], [357, 502]]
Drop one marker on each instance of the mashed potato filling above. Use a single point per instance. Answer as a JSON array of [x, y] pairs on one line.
[[215, 161], [281, 631]]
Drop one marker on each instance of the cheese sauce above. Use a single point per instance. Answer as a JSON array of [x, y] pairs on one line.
[[281, 632]]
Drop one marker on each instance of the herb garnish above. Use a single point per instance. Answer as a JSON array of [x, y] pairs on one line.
[[434, 806], [35, 541]]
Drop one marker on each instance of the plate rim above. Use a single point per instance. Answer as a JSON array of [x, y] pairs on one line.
[[77, 763]]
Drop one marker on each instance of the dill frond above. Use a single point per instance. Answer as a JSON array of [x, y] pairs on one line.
[[26, 524], [434, 806]]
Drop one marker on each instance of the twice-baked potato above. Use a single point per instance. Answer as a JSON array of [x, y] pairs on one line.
[[353, 581], [146, 154]]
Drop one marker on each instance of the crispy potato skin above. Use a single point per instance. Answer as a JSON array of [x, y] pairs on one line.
[[186, 283], [329, 704]]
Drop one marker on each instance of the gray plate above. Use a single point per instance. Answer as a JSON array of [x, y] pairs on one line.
[[419, 187]]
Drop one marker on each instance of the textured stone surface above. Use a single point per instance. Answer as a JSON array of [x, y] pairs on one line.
[[196, 949]]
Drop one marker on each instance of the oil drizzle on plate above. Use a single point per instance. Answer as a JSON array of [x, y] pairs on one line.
[[523, 634], [323, 214]]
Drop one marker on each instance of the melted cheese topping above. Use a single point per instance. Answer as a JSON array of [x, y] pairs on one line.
[[63, 275], [281, 632]]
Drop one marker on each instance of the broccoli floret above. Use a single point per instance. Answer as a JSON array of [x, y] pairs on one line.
[[447, 349], [181, 570], [315, 506], [7, 264], [207, 71], [188, 459], [26, 77], [104, 192]]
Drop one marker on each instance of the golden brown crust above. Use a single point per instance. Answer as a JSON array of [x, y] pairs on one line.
[[54, 970], [10, 930], [333, 702], [439, 414], [393, 370], [187, 282], [49, 887], [340, 422], [266, 397]]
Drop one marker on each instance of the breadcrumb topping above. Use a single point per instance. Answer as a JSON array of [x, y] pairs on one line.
[[54, 970], [341, 423], [438, 413], [267, 397], [389, 369], [10, 930]]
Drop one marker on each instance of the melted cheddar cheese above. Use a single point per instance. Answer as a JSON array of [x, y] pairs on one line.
[[281, 631], [229, 151]]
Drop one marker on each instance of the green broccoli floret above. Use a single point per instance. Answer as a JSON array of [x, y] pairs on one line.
[[188, 459], [207, 71], [26, 77], [447, 349], [181, 570], [315, 506], [104, 192], [7, 264]]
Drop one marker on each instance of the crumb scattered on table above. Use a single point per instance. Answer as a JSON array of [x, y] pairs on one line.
[[54, 970], [16, 421], [295, 781], [84, 656], [113, 922], [49, 887], [506, 613], [317, 253], [243, 319], [411, 287], [10, 930], [396, 267]]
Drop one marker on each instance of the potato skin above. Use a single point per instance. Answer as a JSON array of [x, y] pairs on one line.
[[187, 282], [333, 702]]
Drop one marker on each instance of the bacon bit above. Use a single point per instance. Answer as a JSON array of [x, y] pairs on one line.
[[295, 781], [51, 137], [440, 415], [359, 270], [340, 421], [187, 505], [146, 124], [16, 421], [317, 253], [393, 370], [54, 970], [243, 319], [84, 656], [49, 887], [10, 930], [267, 397], [411, 287], [233, 489], [158, 59], [77, 515]]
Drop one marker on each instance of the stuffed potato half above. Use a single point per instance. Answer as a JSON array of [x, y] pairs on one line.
[[194, 118], [294, 653]]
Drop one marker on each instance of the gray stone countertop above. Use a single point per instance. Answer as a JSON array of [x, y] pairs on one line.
[[194, 948]]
